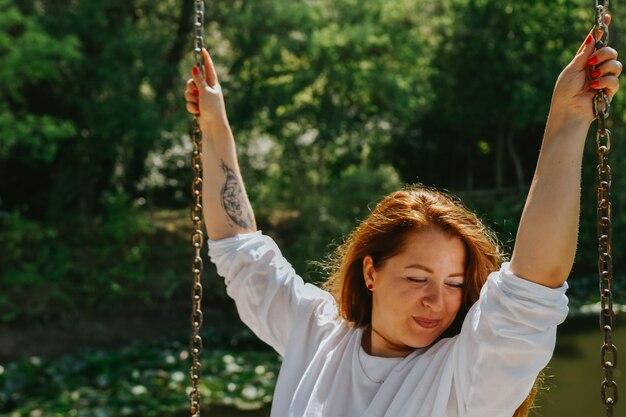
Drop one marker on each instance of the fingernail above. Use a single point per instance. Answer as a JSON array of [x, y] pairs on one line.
[[593, 60], [197, 93], [594, 84], [195, 70], [595, 73], [589, 39]]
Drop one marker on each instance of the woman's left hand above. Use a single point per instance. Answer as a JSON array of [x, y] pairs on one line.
[[577, 84]]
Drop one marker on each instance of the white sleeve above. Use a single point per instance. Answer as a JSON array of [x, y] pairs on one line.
[[507, 338], [267, 291]]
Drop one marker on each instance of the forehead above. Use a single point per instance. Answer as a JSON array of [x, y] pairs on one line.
[[433, 247]]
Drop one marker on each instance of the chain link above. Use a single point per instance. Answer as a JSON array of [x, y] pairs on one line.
[[195, 344], [601, 105], [197, 238], [199, 34]]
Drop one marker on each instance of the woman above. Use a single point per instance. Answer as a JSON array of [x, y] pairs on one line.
[[419, 318]]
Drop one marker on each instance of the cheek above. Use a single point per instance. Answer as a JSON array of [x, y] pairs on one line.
[[407, 298], [453, 302], [391, 302]]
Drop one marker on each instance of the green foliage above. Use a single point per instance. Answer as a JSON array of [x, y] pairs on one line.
[[497, 63], [334, 103], [140, 379], [343, 74], [329, 219], [500, 211], [122, 223], [94, 76], [167, 174], [47, 272], [20, 239], [31, 58]]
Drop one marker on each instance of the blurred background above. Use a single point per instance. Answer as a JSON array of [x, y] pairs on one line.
[[333, 103]]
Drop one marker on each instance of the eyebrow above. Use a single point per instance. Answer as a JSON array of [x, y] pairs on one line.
[[422, 267]]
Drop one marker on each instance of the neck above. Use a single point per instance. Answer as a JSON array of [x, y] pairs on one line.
[[376, 344]]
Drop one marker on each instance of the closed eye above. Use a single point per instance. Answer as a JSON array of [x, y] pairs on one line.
[[417, 280], [455, 285]]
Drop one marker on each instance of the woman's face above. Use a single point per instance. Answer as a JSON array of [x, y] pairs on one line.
[[417, 293]]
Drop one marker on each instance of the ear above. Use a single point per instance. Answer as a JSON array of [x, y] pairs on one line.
[[368, 270]]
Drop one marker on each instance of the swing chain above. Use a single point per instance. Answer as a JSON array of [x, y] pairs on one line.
[[199, 35], [195, 344], [601, 105]]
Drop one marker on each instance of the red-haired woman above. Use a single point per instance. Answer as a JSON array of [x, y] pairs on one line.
[[421, 317]]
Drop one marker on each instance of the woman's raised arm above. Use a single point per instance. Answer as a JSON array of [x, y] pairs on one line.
[[226, 208], [546, 239]]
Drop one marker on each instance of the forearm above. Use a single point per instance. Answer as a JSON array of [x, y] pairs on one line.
[[545, 246], [226, 208]]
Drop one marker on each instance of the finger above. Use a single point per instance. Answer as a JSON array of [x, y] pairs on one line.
[[608, 21], [193, 108], [191, 85], [589, 39], [584, 52], [602, 55], [600, 33], [611, 67], [198, 79], [192, 96], [609, 83], [209, 69]]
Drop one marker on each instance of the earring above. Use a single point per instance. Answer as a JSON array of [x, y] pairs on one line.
[[370, 287]]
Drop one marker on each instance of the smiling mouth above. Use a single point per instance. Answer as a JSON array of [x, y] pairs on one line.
[[425, 323]]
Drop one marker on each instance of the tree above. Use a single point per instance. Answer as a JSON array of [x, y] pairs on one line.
[[100, 77], [496, 67]]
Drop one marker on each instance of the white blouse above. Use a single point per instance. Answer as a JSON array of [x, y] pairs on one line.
[[486, 371]]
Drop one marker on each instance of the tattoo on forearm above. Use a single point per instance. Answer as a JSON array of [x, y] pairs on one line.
[[233, 199]]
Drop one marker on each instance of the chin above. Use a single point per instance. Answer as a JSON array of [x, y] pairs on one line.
[[419, 342], [424, 338]]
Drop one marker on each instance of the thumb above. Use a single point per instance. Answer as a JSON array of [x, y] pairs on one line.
[[209, 69], [584, 52]]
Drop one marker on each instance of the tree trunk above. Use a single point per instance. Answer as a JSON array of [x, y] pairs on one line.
[[517, 164], [500, 157], [174, 55], [470, 168]]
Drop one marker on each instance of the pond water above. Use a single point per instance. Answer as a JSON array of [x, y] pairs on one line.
[[574, 385], [574, 376]]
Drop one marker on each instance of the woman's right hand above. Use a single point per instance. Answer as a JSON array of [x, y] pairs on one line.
[[204, 95]]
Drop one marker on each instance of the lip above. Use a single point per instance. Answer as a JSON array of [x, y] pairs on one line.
[[426, 323]]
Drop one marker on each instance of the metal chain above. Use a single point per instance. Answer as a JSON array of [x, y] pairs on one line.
[[199, 34], [197, 238], [195, 345], [601, 105]]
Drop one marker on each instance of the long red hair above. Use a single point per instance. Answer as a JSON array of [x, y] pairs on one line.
[[383, 234]]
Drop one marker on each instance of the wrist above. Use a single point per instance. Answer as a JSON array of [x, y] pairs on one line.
[[572, 126], [557, 115], [215, 127]]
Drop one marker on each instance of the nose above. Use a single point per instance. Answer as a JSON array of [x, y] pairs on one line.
[[433, 298]]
